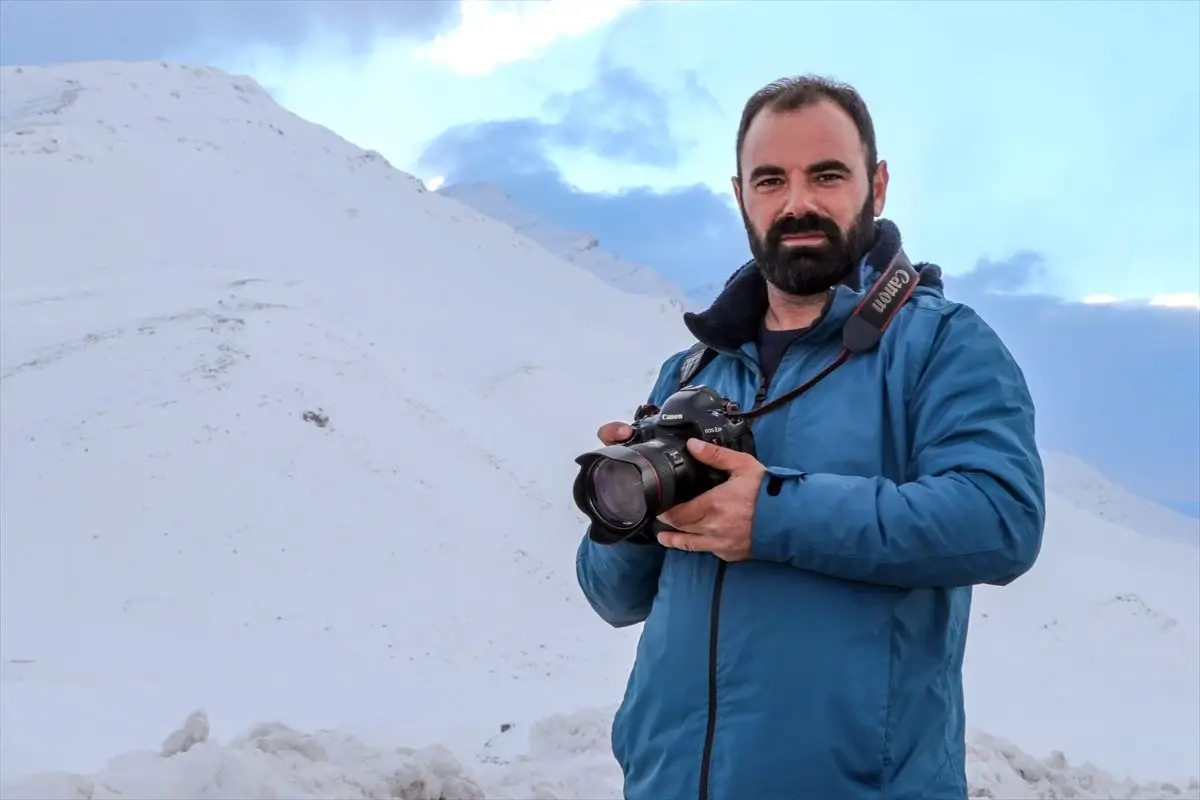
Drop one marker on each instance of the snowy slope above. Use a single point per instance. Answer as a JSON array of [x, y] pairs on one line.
[[577, 247], [1098, 646], [285, 438], [1096, 494], [188, 270]]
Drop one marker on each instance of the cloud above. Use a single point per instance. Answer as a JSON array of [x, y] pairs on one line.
[[692, 235], [491, 35], [1020, 271], [35, 31], [1118, 385], [689, 234], [618, 116], [698, 96]]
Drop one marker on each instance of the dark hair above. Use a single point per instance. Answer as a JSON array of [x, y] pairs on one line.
[[793, 94]]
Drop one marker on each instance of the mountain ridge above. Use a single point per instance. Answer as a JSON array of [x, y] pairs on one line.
[[577, 247]]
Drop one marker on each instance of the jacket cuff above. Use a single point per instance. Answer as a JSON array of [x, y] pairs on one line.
[[775, 515]]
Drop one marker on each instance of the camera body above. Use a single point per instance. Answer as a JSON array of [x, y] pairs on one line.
[[694, 412], [623, 488]]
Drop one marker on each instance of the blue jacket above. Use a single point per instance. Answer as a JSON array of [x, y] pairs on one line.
[[829, 665]]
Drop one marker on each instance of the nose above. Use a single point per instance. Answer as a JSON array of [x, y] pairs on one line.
[[800, 197]]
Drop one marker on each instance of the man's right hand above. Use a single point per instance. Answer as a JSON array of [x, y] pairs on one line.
[[614, 433]]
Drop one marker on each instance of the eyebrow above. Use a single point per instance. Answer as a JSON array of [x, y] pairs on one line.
[[765, 170], [828, 165]]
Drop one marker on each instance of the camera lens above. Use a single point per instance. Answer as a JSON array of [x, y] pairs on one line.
[[617, 492]]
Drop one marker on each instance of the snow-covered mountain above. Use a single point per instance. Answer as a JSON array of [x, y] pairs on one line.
[[577, 247], [288, 439], [1093, 492]]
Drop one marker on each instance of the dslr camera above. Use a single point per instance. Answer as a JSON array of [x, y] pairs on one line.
[[624, 487]]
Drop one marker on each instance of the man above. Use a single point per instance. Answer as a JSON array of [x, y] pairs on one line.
[[805, 623]]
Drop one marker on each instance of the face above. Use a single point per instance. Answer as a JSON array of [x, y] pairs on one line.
[[807, 201]]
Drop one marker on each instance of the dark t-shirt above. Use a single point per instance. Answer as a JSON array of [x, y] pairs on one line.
[[771, 347]]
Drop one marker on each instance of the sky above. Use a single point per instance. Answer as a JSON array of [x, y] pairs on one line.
[[1045, 155]]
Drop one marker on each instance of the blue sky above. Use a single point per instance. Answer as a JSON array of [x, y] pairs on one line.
[[1041, 153]]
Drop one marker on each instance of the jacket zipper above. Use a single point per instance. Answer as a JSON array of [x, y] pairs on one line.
[[714, 627]]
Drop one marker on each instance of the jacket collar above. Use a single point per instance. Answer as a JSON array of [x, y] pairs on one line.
[[735, 315]]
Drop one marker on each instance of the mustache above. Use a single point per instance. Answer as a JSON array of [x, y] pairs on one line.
[[809, 223]]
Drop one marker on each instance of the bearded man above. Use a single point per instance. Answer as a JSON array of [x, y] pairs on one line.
[[805, 621]]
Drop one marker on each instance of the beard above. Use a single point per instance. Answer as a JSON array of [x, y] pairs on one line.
[[807, 270]]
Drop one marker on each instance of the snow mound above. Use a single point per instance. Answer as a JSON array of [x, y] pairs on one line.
[[270, 761], [998, 769], [566, 758]]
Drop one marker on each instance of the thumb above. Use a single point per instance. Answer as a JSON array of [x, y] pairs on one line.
[[714, 455]]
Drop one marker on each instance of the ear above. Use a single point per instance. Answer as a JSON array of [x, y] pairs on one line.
[[737, 190], [879, 184]]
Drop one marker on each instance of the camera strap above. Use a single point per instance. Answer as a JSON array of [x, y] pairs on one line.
[[860, 334]]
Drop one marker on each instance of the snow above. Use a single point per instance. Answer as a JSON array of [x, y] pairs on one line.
[[285, 443], [1098, 646], [1095, 493]]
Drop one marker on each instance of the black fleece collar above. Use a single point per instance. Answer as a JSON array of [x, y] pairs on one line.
[[735, 315]]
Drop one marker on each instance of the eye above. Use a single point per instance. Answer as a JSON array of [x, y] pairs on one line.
[[767, 182], [829, 177]]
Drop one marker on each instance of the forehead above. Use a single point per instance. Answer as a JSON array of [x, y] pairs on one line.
[[805, 136]]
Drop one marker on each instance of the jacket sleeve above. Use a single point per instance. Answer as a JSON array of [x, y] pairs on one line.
[[621, 580], [973, 509]]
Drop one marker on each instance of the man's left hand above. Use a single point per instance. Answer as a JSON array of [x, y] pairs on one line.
[[720, 520]]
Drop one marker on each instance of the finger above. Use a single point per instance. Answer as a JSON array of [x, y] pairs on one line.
[[614, 433], [686, 515], [716, 456], [688, 542]]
